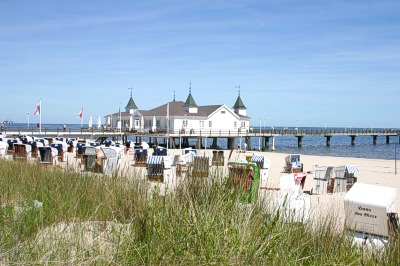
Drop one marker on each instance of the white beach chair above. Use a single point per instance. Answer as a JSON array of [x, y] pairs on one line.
[[320, 180], [292, 206], [3, 148], [110, 161], [340, 179]]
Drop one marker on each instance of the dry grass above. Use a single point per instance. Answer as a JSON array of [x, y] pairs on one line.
[[90, 220]]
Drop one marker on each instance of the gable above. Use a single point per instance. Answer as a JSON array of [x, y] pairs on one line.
[[223, 108]]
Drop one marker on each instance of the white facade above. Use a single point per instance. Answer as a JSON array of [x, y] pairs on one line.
[[181, 116]]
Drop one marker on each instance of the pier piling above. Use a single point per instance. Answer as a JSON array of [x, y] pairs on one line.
[[299, 141], [266, 143], [328, 141], [353, 140]]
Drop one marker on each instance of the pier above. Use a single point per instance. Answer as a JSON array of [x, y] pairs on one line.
[[179, 138]]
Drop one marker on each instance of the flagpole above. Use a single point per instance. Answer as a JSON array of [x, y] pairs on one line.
[[40, 116], [167, 125]]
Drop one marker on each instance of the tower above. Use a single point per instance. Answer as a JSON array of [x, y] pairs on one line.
[[239, 107], [190, 105]]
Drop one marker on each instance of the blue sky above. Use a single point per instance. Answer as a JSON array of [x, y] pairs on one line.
[[297, 62]]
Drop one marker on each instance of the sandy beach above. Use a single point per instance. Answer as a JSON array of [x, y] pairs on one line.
[[371, 171]]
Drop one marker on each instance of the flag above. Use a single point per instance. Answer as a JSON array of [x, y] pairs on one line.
[[80, 114], [37, 111]]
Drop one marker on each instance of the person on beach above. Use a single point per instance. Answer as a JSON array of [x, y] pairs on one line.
[[38, 126], [65, 127]]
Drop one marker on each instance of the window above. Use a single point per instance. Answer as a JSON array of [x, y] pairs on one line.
[[201, 124], [243, 124], [235, 124], [184, 123], [136, 123], [222, 112], [158, 123], [209, 123]]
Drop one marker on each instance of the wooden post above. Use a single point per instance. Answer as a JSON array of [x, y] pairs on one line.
[[266, 143], [353, 140], [299, 141], [328, 141], [374, 137]]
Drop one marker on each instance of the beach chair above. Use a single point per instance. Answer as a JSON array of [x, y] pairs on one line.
[[79, 149], [108, 143], [48, 141], [160, 151], [61, 139], [61, 151], [244, 178], [350, 178], [185, 165], [22, 152], [263, 164], [34, 148], [155, 168], [89, 158], [218, 158], [71, 145], [25, 139], [340, 179], [11, 143], [45, 142], [140, 157], [3, 148], [94, 144], [110, 161], [201, 166], [320, 180], [47, 155], [128, 144], [293, 164]]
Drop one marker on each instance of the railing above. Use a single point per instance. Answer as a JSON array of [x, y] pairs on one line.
[[200, 132]]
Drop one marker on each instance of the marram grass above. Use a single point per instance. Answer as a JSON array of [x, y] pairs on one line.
[[89, 219]]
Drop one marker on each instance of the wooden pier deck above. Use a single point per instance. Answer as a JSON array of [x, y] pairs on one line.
[[231, 135]]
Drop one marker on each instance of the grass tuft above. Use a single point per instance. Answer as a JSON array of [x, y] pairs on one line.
[[91, 219]]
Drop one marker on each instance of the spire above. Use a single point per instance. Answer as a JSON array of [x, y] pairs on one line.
[[131, 104], [190, 101], [174, 97], [239, 103]]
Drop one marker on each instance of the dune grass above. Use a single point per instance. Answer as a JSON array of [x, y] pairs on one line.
[[92, 219]]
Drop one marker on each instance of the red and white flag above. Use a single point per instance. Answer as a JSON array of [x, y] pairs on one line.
[[80, 114], [37, 110]]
